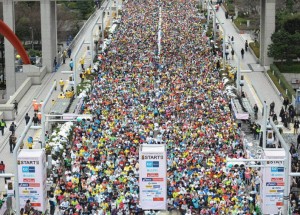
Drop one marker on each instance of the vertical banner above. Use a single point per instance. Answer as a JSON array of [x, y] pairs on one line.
[[32, 177], [153, 177], [273, 182]]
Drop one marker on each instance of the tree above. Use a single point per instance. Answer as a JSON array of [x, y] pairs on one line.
[[27, 16], [285, 46], [85, 8], [248, 7], [289, 5], [292, 23]]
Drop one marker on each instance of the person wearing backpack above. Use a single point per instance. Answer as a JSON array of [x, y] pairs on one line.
[[12, 128], [2, 126]]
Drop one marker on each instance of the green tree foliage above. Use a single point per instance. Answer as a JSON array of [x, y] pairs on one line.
[[286, 40], [290, 5], [86, 8], [27, 16], [285, 45], [292, 23], [280, 19]]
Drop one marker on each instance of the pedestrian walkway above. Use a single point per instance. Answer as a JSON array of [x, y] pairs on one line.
[[257, 85], [39, 92]]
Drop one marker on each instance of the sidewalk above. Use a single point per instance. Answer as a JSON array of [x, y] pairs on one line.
[[257, 84], [39, 92]]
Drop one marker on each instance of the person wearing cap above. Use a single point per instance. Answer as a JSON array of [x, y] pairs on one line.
[[131, 110]]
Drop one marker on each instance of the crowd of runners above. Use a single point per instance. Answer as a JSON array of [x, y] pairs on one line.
[[148, 91]]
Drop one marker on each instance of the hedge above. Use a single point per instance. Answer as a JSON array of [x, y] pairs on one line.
[[278, 79], [255, 48]]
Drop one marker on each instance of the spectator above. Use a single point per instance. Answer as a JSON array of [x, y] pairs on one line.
[[61, 84], [81, 75], [286, 102], [255, 110], [281, 114], [27, 118], [272, 107], [12, 142], [81, 61], [2, 167], [35, 119], [36, 107], [2, 126], [246, 45], [69, 53], [296, 126], [226, 52], [242, 53], [55, 64], [275, 120], [12, 128], [64, 56], [16, 106], [71, 64]]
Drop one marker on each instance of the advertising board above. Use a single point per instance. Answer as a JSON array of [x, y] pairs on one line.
[[153, 177], [32, 178], [273, 182]]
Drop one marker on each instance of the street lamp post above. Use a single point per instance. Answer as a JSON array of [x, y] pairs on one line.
[[207, 15], [43, 112], [92, 41], [238, 75], [75, 65], [102, 21], [238, 70], [110, 12], [287, 168], [214, 26], [264, 124], [224, 47], [96, 45], [15, 156], [32, 45]]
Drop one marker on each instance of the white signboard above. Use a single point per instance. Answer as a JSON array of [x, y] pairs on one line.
[[153, 177], [270, 137], [9, 188], [32, 178], [273, 182]]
